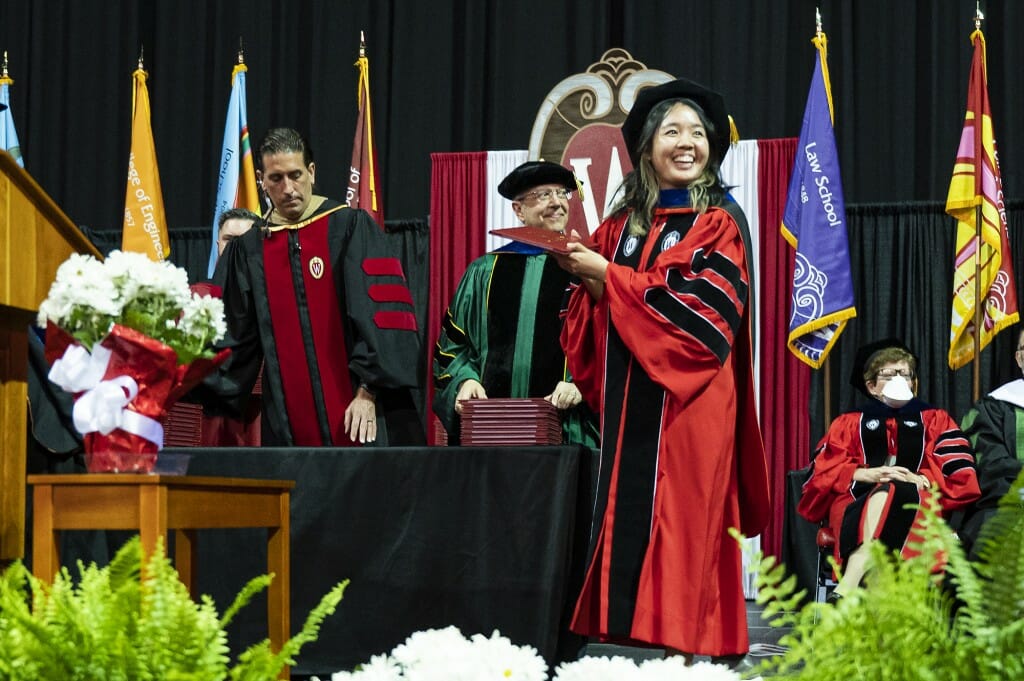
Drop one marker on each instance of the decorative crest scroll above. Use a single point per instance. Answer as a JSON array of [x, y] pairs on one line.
[[578, 126]]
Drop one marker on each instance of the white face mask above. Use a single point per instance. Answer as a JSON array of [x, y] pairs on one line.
[[896, 392]]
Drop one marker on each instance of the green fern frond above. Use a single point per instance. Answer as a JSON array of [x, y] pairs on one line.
[[124, 622], [252, 587], [180, 636], [258, 662], [912, 621]]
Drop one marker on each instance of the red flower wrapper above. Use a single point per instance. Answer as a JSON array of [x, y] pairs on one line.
[[118, 411]]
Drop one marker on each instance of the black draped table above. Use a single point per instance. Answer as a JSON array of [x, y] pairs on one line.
[[479, 538]]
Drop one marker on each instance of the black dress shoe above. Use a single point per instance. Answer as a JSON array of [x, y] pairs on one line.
[[739, 664], [729, 661]]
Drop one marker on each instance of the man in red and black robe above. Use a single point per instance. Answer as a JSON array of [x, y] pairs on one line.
[[317, 295]]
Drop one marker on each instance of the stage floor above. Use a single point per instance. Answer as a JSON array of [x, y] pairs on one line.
[[764, 641]]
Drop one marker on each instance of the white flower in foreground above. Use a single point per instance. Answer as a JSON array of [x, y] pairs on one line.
[[501, 659], [615, 668], [674, 668], [433, 647], [379, 668], [446, 655], [705, 671]]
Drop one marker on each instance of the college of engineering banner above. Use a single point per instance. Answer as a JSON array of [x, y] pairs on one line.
[[145, 225]]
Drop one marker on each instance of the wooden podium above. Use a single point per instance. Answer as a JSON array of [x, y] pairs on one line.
[[35, 238]]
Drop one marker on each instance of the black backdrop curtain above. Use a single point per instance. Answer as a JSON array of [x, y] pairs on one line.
[[902, 261], [468, 75]]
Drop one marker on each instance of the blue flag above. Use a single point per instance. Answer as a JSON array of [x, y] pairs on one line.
[[236, 179], [8, 135], [814, 223]]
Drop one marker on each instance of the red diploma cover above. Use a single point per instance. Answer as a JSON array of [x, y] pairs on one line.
[[544, 238]]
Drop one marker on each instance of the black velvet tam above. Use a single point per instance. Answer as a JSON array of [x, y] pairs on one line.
[[534, 174], [709, 100]]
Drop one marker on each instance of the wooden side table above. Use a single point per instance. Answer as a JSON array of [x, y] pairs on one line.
[[154, 504]]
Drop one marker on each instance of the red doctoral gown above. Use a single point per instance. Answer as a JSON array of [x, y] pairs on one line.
[[921, 438], [666, 354]]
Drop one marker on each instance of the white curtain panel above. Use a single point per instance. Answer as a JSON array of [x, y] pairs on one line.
[[499, 209], [740, 172]]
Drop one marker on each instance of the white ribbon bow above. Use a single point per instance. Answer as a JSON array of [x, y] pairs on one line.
[[102, 406], [77, 370]]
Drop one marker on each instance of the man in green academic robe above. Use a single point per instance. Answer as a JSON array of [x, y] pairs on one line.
[[995, 427], [500, 334]]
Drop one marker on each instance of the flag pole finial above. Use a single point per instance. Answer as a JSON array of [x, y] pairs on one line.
[[142, 52], [817, 22], [362, 44], [241, 51], [4, 73], [978, 15]]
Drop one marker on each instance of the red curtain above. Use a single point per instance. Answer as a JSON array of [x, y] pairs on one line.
[[785, 380], [458, 215]]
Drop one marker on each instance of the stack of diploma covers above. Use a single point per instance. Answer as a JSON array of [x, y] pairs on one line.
[[504, 422], [183, 425]]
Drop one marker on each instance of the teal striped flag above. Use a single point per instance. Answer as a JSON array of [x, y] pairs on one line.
[[8, 135]]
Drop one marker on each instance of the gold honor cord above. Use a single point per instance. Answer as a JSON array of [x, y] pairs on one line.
[[300, 225]]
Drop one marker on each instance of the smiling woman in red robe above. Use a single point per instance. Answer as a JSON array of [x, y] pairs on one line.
[[658, 337]]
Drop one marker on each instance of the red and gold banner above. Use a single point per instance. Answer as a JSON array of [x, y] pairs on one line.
[[981, 250], [364, 175]]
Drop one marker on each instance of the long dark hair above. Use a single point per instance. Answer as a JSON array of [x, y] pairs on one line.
[[640, 188]]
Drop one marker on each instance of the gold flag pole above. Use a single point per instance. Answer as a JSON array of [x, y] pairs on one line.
[[826, 366], [979, 315]]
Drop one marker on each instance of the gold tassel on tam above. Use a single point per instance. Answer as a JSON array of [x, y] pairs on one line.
[[579, 186]]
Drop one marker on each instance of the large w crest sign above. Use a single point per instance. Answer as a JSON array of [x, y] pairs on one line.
[[578, 126]]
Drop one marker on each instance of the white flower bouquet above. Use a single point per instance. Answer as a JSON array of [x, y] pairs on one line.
[[446, 655], [128, 337], [89, 296]]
